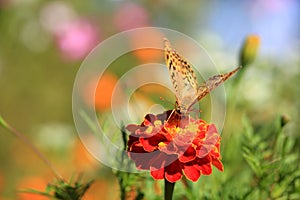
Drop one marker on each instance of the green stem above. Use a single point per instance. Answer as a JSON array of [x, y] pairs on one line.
[[121, 176], [188, 188], [12, 130], [169, 188]]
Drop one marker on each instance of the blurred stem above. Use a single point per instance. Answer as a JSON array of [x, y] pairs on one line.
[[123, 176], [239, 76], [189, 188], [25, 140], [122, 187], [232, 94], [247, 55], [124, 136], [169, 188]]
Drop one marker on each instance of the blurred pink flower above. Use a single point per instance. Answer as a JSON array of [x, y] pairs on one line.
[[131, 15], [77, 39], [7, 4]]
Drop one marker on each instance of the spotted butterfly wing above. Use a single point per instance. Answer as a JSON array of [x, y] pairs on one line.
[[210, 84], [185, 82], [182, 76]]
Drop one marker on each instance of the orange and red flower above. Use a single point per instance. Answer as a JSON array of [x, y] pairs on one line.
[[170, 145]]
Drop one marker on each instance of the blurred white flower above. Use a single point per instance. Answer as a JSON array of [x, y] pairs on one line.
[[256, 87], [33, 37], [56, 15], [55, 136]]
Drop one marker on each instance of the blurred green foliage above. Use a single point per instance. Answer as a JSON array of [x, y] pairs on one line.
[[64, 191]]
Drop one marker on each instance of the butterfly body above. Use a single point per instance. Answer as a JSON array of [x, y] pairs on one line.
[[185, 83]]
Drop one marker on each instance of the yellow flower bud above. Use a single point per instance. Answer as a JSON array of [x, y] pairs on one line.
[[284, 119], [249, 50]]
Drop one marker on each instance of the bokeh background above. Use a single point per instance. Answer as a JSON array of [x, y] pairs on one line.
[[42, 44]]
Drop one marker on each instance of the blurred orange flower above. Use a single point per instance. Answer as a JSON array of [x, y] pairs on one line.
[[35, 183], [146, 39], [103, 93], [83, 160], [101, 189], [1, 181]]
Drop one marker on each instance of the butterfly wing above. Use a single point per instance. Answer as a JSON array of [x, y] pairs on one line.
[[183, 77], [210, 84]]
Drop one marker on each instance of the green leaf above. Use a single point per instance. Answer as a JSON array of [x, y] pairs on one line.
[[3, 122]]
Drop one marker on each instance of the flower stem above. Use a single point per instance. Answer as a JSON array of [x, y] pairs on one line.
[[169, 188], [18, 134]]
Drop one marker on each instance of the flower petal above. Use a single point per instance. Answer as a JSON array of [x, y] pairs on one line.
[[206, 169], [140, 156], [173, 172], [151, 143], [218, 164], [169, 148], [161, 160], [132, 128], [131, 141], [164, 116], [158, 174], [204, 165], [191, 172], [149, 119], [188, 155]]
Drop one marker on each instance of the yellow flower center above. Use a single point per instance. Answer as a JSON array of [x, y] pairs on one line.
[[157, 123], [149, 129], [162, 144]]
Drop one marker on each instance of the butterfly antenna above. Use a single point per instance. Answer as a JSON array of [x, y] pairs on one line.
[[26, 141], [170, 115]]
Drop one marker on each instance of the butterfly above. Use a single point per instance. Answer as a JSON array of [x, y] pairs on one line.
[[184, 80]]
